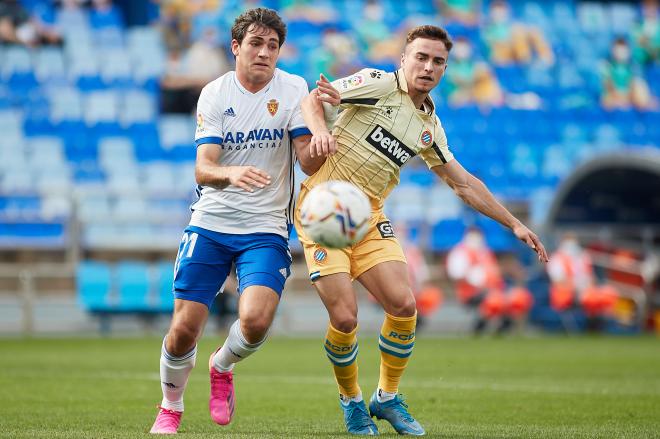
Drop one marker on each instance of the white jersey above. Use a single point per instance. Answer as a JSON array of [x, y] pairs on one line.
[[251, 129]]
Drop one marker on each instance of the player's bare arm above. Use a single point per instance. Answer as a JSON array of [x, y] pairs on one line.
[[209, 173], [323, 142], [308, 163], [475, 193]]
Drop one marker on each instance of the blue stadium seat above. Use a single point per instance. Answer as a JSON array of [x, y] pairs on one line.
[[164, 297], [445, 234], [498, 238], [94, 281], [133, 287]]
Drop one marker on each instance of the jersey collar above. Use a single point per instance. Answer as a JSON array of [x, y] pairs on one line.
[[429, 105], [263, 90]]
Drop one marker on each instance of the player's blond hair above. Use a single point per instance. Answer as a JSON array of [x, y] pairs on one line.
[[430, 32]]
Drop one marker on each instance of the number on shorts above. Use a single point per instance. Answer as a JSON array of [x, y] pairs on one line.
[[185, 248]]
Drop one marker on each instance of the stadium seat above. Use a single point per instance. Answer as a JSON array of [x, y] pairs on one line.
[[445, 234], [176, 130], [133, 287], [93, 281], [164, 297], [49, 66]]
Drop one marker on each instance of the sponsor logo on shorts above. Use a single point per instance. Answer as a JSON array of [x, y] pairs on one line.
[[427, 138], [389, 146], [283, 272], [385, 229], [320, 255]]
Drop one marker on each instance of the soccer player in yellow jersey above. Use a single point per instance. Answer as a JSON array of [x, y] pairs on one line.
[[387, 119]]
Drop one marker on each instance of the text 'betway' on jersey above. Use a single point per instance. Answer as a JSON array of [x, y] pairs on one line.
[[390, 146]]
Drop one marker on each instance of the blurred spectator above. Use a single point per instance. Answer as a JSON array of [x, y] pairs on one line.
[[374, 35], [70, 15], [573, 283], [313, 11], [571, 272], [18, 27], [479, 283], [188, 71], [176, 18], [510, 41], [646, 35], [469, 82], [105, 14], [464, 12], [337, 57], [427, 296], [623, 86]]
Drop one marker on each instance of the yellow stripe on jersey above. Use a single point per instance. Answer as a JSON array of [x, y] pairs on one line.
[[378, 132]]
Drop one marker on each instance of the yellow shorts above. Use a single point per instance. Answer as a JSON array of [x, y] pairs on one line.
[[378, 245]]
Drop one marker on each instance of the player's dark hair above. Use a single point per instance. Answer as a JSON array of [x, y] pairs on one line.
[[430, 33], [261, 18]]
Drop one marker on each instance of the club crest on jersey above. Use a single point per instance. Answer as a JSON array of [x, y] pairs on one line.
[[272, 106], [427, 138], [320, 254], [200, 122]]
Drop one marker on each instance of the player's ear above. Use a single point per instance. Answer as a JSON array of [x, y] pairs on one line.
[[234, 47]]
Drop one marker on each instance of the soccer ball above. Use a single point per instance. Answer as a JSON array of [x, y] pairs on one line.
[[335, 214]]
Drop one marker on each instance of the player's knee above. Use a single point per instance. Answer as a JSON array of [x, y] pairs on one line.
[[404, 306], [181, 339], [254, 327], [344, 323]]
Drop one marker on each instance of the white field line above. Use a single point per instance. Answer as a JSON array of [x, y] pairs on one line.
[[653, 389]]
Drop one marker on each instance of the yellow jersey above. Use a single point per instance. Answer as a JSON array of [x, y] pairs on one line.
[[378, 131]]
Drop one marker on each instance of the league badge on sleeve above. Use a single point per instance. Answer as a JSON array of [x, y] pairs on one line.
[[200, 123], [272, 106]]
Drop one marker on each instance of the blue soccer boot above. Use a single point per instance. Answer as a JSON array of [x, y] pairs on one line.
[[357, 418], [395, 411]]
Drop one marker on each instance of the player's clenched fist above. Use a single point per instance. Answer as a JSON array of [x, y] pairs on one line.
[[247, 177]]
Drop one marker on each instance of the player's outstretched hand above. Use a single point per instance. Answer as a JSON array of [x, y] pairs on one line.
[[528, 237], [322, 144], [247, 177], [327, 93]]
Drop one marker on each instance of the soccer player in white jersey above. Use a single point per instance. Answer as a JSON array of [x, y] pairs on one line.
[[387, 119], [247, 122]]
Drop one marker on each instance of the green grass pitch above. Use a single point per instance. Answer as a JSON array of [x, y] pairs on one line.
[[457, 388]]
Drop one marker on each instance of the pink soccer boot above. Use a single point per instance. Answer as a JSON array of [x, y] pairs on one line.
[[167, 421], [221, 401]]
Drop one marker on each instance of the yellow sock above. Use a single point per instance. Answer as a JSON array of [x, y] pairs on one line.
[[396, 341], [342, 350]]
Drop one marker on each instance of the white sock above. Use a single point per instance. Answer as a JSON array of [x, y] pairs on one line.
[[174, 373], [346, 399], [384, 396], [235, 349]]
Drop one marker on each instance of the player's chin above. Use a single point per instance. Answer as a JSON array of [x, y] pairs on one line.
[[424, 88], [263, 72]]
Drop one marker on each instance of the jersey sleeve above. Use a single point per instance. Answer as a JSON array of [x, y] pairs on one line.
[[365, 87], [297, 125], [438, 152], [209, 119]]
